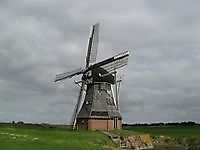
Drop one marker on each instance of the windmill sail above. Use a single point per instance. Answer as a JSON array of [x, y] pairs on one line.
[[92, 45], [78, 104], [69, 74], [90, 58], [116, 64], [112, 63]]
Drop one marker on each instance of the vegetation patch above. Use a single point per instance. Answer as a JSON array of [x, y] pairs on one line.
[[171, 136], [19, 138], [60, 137]]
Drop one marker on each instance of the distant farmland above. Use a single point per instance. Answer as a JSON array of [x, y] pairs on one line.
[[172, 131]]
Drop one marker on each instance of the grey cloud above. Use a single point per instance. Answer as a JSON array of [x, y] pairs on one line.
[[42, 38]]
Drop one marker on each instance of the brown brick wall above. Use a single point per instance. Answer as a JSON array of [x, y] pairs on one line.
[[110, 125], [97, 124], [100, 124], [94, 124], [119, 124]]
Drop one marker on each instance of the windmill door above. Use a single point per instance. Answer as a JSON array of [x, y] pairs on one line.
[[115, 122], [83, 124]]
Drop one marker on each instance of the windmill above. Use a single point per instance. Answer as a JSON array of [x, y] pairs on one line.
[[97, 107]]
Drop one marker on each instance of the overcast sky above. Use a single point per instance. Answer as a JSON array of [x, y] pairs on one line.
[[40, 38]]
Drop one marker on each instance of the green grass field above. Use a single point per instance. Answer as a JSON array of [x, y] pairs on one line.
[[52, 139], [171, 131], [33, 137]]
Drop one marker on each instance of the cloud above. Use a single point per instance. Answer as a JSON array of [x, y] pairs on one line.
[[42, 38]]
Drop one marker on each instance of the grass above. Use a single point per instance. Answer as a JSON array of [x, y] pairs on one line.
[[12, 138], [37, 137], [172, 131], [126, 132]]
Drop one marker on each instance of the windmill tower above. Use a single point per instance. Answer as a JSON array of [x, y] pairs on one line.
[[97, 105]]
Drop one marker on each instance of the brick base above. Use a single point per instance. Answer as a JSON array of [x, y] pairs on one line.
[[98, 124]]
